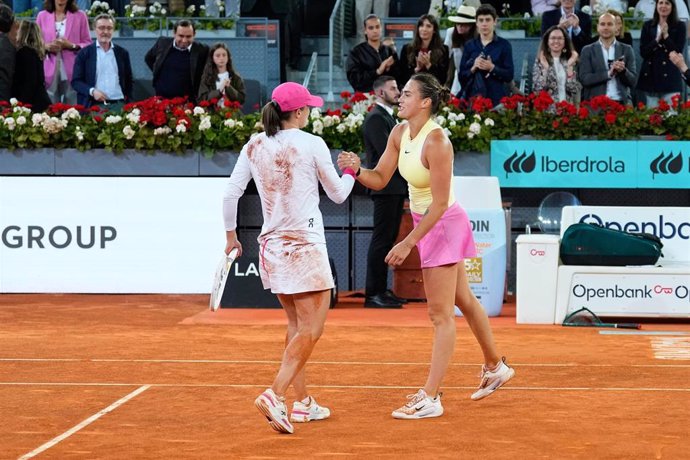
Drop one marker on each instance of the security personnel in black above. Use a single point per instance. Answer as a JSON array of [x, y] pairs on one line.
[[388, 202]]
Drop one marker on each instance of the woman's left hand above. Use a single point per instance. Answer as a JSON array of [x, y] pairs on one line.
[[398, 254], [66, 44]]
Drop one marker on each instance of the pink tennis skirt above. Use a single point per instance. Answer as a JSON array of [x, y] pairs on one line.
[[449, 241], [291, 267]]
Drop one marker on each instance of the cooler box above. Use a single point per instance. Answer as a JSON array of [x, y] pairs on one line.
[[537, 275]]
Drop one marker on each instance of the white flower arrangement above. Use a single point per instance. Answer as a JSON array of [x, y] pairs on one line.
[[205, 123], [128, 132]]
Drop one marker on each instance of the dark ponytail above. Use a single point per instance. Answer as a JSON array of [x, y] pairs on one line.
[[271, 117], [431, 88]]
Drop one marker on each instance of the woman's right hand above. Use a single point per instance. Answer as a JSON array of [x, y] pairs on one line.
[[232, 242], [573, 59], [349, 160], [542, 60]]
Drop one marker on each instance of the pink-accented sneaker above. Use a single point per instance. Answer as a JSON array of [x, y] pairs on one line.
[[302, 412], [274, 409], [420, 405], [493, 380]]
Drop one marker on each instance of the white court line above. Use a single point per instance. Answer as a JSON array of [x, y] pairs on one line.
[[336, 387], [325, 363], [671, 348], [84, 423]]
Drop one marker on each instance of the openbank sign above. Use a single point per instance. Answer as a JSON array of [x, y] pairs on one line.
[[58, 237], [591, 164]]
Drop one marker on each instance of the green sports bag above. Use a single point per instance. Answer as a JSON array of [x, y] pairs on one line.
[[590, 244]]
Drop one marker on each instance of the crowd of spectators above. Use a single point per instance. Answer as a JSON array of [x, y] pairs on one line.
[[575, 61], [54, 60]]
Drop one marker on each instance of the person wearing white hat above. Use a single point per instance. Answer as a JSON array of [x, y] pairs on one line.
[[465, 29]]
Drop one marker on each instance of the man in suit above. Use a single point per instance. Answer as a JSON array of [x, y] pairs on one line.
[[607, 67], [102, 71], [177, 63], [7, 52], [577, 24], [388, 202]]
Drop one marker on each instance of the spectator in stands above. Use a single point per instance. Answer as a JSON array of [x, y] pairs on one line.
[[487, 62], [103, 71], [426, 52], [607, 67], [555, 67], [30, 87], [465, 29], [660, 35], [177, 63], [539, 7], [370, 59], [388, 202], [7, 52], [220, 80], [648, 7], [363, 10], [678, 61], [622, 35], [577, 24], [65, 31]]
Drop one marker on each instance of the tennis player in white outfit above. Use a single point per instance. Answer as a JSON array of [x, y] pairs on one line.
[[287, 165]]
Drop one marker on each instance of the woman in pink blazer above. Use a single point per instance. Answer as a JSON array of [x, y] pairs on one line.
[[65, 31]]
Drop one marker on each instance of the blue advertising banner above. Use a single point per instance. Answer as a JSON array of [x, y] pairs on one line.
[[591, 164], [574, 164], [663, 164]]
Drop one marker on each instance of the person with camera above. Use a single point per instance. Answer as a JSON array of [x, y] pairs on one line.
[[607, 66]]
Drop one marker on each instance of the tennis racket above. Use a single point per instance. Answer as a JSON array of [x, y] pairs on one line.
[[220, 278]]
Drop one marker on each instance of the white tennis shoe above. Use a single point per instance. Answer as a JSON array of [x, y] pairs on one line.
[[493, 380], [274, 409], [302, 413], [420, 405]]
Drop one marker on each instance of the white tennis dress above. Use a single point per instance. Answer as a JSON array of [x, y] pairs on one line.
[[287, 169]]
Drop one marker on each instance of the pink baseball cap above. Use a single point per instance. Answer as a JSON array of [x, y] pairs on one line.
[[291, 96]]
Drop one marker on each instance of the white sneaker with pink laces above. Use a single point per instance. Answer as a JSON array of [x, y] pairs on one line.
[[492, 380]]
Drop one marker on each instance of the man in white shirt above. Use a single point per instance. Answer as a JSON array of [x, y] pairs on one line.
[[102, 71], [607, 67]]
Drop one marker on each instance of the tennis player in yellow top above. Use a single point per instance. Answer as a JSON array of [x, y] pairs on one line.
[[443, 235]]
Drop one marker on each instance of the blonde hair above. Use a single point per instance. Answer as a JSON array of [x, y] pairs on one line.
[[29, 35]]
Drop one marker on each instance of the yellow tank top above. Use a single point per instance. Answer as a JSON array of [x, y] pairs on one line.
[[411, 168]]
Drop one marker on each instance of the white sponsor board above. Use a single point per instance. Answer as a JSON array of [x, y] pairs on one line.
[[670, 224], [110, 234], [631, 294]]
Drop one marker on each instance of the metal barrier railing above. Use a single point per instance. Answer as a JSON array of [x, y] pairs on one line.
[[311, 78], [336, 36]]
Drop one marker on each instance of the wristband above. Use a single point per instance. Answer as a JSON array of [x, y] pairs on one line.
[[350, 172]]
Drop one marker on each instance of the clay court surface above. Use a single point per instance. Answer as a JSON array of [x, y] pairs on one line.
[[160, 377]]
